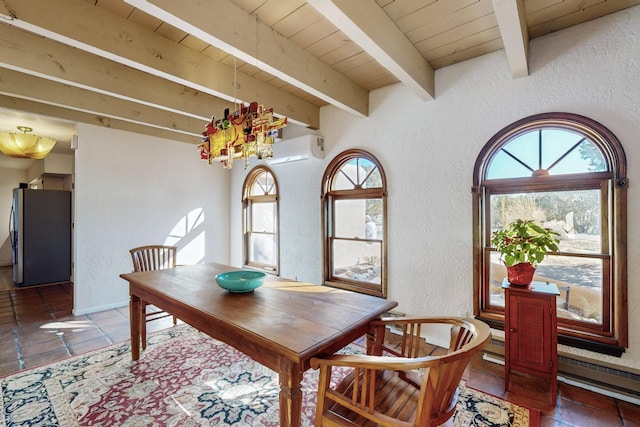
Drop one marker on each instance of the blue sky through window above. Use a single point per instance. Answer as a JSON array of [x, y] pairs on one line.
[[559, 151]]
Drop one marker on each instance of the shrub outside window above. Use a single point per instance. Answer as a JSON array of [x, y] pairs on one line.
[[568, 173], [260, 220], [354, 218]]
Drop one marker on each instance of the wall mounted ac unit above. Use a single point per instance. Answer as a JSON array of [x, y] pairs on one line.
[[296, 149]]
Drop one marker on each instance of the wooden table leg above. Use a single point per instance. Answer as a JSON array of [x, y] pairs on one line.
[[375, 340], [135, 310], [290, 394]]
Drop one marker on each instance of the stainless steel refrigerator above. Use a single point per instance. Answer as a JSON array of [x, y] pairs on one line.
[[40, 232]]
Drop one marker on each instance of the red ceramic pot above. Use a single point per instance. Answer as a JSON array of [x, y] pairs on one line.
[[520, 274]]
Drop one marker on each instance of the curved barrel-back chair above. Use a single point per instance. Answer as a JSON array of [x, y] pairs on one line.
[[405, 386]]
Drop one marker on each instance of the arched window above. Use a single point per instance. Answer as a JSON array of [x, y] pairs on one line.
[[355, 222], [568, 173], [260, 220]]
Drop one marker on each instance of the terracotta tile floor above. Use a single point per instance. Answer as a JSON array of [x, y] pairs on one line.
[[37, 327]]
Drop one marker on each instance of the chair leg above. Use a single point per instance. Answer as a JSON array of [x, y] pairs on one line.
[[143, 326]]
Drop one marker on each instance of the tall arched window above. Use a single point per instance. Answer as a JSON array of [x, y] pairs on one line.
[[260, 220], [568, 173], [355, 222]]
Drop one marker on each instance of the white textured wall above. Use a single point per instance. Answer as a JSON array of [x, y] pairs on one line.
[[428, 151], [132, 190]]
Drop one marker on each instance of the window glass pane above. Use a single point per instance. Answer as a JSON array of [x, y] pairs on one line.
[[357, 260], [558, 151], [579, 281], [565, 150], [263, 185], [497, 273], [523, 149], [263, 248], [578, 278], [357, 173], [373, 180], [573, 214], [358, 218], [263, 217], [503, 166], [374, 219]]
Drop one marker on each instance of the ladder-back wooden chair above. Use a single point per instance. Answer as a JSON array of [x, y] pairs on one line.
[[413, 384], [147, 258]]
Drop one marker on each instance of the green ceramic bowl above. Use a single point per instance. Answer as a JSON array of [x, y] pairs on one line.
[[240, 281]]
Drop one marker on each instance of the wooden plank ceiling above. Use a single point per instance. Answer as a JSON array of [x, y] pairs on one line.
[[164, 67]]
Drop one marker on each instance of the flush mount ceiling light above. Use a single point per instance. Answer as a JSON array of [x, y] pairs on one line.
[[25, 145]]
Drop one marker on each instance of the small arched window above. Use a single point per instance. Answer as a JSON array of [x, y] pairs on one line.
[[260, 220], [568, 173], [355, 222]]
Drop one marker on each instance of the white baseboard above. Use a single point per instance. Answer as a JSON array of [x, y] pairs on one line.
[[599, 390], [100, 308]]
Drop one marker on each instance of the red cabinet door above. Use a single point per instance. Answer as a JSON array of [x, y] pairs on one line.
[[530, 331], [531, 336]]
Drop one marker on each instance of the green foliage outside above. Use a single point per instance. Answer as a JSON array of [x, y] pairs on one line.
[[552, 207]]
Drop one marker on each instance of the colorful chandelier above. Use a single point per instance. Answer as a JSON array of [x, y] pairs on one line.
[[247, 132]]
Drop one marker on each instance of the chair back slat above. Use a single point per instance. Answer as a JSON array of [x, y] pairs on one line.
[[153, 257], [460, 336]]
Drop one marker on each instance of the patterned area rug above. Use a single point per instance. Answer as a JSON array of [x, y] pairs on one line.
[[185, 378]]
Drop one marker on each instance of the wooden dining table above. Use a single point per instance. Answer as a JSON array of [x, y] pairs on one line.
[[281, 325]]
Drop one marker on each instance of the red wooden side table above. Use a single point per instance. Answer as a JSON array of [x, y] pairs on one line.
[[531, 334]]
